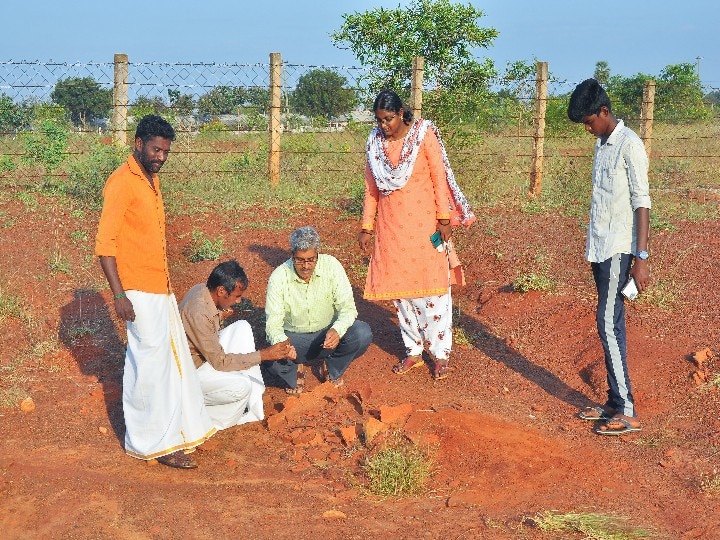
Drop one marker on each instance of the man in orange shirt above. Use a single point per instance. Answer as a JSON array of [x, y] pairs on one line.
[[165, 416]]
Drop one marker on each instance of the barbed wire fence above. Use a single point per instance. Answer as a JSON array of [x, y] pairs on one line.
[[223, 118]]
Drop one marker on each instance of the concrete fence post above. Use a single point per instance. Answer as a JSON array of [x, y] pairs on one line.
[[120, 98], [274, 123], [538, 154], [416, 87], [647, 115]]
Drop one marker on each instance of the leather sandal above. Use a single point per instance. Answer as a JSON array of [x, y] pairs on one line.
[[408, 363], [325, 377], [178, 460], [440, 370], [299, 384]]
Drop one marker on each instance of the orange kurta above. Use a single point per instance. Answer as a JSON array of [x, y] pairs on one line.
[[404, 263], [132, 229]]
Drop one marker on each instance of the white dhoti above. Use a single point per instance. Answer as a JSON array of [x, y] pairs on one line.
[[233, 397], [162, 399]]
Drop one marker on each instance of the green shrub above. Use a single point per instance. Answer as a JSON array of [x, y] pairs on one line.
[[533, 282], [398, 470], [86, 177], [593, 526], [7, 164], [203, 249]]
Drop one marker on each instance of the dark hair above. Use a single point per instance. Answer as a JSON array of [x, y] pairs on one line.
[[387, 100], [586, 99], [153, 125], [226, 275]]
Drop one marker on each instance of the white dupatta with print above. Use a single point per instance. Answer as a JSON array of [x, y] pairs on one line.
[[389, 177]]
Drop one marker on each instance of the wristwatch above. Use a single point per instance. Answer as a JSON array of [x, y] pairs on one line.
[[642, 255]]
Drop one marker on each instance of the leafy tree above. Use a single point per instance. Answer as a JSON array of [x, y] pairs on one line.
[[83, 98], [713, 98], [678, 94], [626, 94], [12, 115], [441, 32], [222, 100], [602, 72], [258, 97], [182, 104], [322, 92], [144, 105]]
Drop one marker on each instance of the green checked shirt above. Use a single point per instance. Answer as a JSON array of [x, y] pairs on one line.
[[295, 306]]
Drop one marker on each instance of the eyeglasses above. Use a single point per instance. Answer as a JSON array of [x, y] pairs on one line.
[[300, 262], [386, 120]]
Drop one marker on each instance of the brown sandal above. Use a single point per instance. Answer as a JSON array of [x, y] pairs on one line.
[[178, 460], [325, 377], [441, 370], [408, 363], [299, 384]]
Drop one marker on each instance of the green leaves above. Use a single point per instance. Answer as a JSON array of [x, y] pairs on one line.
[[83, 99], [322, 92], [442, 32]]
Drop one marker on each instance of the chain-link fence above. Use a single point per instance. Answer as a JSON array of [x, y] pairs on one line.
[[59, 121]]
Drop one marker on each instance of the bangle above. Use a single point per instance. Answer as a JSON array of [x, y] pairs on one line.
[[440, 221], [119, 296], [365, 231]]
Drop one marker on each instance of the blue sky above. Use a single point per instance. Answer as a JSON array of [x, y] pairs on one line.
[[571, 35]]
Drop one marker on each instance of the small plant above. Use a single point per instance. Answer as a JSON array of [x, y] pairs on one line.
[[79, 236], [593, 526], [86, 177], [10, 397], [58, 264], [81, 330], [203, 249], [663, 293], [9, 306], [28, 199], [398, 470], [7, 164], [533, 282]]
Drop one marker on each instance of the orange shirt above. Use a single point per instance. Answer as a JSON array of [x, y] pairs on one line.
[[132, 229], [404, 263]]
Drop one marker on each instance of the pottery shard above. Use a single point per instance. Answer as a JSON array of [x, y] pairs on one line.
[[276, 422], [397, 414], [702, 356], [348, 435], [372, 427], [27, 405]]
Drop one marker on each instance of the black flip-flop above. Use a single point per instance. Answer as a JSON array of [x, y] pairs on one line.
[[178, 460], [593, 414]]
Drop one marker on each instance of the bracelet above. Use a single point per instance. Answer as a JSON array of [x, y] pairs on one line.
[[119, 296], [440, 221], [365, 231]]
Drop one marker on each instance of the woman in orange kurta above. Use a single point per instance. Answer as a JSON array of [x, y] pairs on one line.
[[410, 194]]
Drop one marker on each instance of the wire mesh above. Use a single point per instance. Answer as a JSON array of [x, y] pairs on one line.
[[55, 123]]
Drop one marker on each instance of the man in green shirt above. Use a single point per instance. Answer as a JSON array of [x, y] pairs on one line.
[[310, 302]]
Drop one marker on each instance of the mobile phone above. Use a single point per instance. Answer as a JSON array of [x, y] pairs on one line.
[[630, 290], [436, 240]]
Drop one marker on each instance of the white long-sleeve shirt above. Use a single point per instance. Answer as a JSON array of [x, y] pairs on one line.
[[620, 186]]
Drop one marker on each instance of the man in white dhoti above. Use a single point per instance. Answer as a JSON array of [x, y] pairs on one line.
[[165, 415], [228, 365]]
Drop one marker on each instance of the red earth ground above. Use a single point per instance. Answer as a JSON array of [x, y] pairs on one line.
[[501, 430]]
